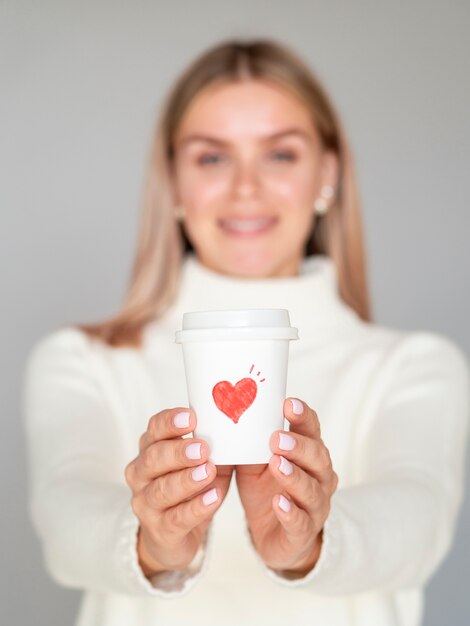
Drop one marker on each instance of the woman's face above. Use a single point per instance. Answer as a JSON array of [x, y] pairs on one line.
[[248, 167]]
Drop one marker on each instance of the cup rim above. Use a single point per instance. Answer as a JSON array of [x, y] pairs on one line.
[[228, 334]]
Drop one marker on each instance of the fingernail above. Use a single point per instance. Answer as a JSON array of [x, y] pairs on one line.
[[199, 472], [286, 442], [193, 451], [285, 466], [210, 496], [284, 504], [181, 420], [297, 406]]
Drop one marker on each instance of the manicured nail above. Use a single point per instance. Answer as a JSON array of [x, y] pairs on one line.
[[285, 466], [284, 504], [181, 420], [210, 496], [193, 451], [286, 442], [297, 406], [199, 472]]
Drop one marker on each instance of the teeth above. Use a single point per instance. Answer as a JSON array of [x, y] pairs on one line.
[[246, 225]]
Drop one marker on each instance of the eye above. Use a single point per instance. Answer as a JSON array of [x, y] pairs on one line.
[[208, 159], [284, 156]]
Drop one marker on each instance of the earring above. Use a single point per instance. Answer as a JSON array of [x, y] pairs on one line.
[[178, 213], [321, 205]]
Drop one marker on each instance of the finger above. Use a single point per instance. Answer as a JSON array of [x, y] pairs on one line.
[[302, 419], [163, 457], [303, 489], [296, 522], [298, 528], [171, 489], [188, 514], [178, 521], [168, 424], [310, 454]]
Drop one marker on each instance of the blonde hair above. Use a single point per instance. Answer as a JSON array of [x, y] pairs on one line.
[[162, 242]]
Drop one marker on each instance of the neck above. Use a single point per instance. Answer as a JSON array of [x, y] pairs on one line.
[[288, 269], [311, 298]]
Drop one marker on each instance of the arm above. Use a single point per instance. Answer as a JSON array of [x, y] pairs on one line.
[[79, 503], [393, 529]]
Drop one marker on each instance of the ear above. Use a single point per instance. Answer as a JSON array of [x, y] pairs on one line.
[[330, 169]]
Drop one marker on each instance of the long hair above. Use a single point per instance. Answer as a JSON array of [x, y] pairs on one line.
[[162, 242]]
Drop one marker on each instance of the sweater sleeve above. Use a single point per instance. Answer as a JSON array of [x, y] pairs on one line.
[[79, 502], [392, 530]]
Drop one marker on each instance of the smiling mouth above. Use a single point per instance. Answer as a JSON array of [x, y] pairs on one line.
[[248, 227]]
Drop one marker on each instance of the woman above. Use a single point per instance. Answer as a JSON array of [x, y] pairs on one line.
[[250, 201]]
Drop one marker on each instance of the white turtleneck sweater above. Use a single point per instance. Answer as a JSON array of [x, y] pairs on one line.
[[394, 412]]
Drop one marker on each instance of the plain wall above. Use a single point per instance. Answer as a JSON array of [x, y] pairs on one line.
[[81, 85]]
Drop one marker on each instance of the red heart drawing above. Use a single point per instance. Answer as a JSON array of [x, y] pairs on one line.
[[233, 401]]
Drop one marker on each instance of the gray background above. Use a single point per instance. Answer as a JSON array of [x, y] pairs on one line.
[[81, 84]]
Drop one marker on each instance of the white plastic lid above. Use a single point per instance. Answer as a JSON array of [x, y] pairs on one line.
[[236, 324]]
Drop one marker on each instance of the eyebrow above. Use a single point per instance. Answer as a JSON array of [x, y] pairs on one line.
[[218, 141]]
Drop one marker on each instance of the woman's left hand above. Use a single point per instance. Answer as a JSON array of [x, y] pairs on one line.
[[290, 540]]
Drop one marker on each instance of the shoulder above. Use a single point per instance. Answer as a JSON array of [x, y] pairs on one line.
[[413, 355], [412, 344], [435, 345], [417, 362], [432, 350], [437, 363], [56, 360], [62, 338], [61, 346]]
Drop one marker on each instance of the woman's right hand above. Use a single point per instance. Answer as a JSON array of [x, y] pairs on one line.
[[172, 499]]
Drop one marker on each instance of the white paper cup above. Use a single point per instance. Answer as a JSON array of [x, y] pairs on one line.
[[236, 374]]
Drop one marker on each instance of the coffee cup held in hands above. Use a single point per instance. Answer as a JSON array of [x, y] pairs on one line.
[[236, 374]]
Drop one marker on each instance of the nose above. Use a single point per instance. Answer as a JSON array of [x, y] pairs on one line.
[[246, 180]]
